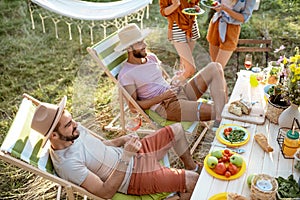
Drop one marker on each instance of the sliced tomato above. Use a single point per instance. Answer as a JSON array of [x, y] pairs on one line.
[[215, 3], [227, 133]]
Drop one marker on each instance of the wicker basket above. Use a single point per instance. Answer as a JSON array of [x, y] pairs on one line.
[[257, 194], [273, 111]]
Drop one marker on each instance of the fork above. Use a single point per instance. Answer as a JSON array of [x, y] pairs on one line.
[[236, 150]]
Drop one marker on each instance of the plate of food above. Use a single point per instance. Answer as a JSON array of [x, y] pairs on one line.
[[232, 135], [193, 11], [227, 196], [219, 196], [224, 164], [210, 3]]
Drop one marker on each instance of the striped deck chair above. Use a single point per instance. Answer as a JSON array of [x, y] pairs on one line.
[[22, 147], [111, 62]]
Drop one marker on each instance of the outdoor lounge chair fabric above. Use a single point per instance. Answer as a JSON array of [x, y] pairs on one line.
[[22, 147], [84, 10], [111, 62]]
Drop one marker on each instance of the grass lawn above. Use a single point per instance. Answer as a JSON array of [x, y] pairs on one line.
[[47, 68]]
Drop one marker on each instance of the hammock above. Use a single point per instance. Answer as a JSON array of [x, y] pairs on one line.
[[84, 10], [93, 15]]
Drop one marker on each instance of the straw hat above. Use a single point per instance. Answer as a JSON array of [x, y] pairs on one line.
[[46, 117], [130, 35]]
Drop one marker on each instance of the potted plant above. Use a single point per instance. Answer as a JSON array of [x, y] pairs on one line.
[[277, 102], [292, 91]]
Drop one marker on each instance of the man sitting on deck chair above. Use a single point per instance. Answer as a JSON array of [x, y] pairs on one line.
[[125, 164], [142, 78]]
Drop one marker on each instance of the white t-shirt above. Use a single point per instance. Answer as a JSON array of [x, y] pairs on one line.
[[146, 77], [88, 153]]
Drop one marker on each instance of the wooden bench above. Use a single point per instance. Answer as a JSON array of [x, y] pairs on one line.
[[253, 45]]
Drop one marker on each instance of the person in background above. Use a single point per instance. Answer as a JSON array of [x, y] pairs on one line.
[[225, 26], [182, 32], [142, 77], [126, 164]]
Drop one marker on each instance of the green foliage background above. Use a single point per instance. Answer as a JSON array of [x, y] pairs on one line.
[[37, 63]]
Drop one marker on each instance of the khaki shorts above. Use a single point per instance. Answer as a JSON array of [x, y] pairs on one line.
[[231, 38], [149, 176], [183, 107]]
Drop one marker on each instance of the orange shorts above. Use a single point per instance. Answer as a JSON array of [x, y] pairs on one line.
[[231, 38], [149, 176]]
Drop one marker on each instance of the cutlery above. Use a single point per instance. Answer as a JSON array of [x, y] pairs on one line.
[[236, 150]]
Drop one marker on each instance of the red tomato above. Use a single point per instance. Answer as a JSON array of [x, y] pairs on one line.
[[220, 168], [215, 3], [225, 159], [227, 174], [229, 129], [227, 151], [232, 168]]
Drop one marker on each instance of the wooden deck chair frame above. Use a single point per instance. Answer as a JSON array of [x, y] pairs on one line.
[[22, 148], [111, 62]]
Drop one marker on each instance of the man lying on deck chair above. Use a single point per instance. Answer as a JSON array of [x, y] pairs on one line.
[[142, 78], [126, 164]]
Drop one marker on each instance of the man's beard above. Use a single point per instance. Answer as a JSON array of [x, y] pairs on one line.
[[69, 138], [139, 54]]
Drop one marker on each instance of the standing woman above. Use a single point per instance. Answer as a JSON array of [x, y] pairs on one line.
[[225, 26], [182, 31]]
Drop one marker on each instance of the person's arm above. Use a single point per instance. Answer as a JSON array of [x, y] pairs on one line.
[[166, 9], [106, 189], [236, 15], [120, 141], [146, 104]]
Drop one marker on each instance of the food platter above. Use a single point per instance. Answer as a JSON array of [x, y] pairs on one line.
[[222, 177], [237, 131], [192, 11], [206, 4], [219, 196]]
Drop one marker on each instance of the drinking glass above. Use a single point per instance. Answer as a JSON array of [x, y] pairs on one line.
[[134, 123], [248, 61]]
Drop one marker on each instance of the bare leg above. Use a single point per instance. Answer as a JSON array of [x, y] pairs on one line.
[[213, 52], [184, 51], [223, 57], [181, 147], [190, 181], [212, 76]]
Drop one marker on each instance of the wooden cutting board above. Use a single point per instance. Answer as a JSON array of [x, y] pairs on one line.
[[242, 89]]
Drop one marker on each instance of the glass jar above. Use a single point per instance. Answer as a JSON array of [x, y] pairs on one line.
[[290, 143], [257, 72]]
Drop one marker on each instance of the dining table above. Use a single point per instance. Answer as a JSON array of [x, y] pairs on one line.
[[256, 160]]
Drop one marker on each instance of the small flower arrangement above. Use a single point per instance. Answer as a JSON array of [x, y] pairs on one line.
[[291, 90]]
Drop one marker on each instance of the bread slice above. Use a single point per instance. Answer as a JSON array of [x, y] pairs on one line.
[[235, 109], [244, 105]]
